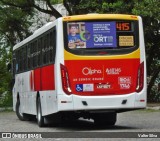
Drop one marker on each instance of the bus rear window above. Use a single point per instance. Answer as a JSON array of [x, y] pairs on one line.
[[93, 36]]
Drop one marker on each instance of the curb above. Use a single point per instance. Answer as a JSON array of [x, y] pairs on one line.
[[153, 108]]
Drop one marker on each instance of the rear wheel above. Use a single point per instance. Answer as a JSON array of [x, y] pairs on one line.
[[107, 119], [40, 118], [19, 113]]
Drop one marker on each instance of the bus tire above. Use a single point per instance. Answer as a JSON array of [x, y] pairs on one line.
[[19, 114], [40, 118]]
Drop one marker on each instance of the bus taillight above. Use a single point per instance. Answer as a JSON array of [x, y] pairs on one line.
[[65, 80], [140, 78]]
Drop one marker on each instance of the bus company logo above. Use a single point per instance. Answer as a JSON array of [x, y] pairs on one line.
[[104, 86], [124, 80], [113, 71], [91, 71], [125, 86]]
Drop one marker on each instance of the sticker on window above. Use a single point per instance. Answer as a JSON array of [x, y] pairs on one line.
[[126, 41], [88, 87], [84, 87]]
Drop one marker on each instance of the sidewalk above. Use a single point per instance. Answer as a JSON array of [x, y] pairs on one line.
[[153, 106]]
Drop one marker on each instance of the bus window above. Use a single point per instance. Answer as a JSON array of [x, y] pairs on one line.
[[29, 56], [35, 55], [44, 48], [17, 62], [113, 37], [25, 57], [48, 49], [52, 45], [40, 43], [20, 59]]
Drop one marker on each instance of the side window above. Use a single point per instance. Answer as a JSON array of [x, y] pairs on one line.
[[20, 60], [17, 62], [35, 55], [52, 45], [25, 58], [40, 43], [29, 56], [32, 49], [44, 48], [48, 49]]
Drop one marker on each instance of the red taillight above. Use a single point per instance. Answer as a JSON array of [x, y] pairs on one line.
[[140, 78], [65, 80]]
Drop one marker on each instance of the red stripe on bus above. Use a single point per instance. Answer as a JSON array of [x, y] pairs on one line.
[[44, 78]]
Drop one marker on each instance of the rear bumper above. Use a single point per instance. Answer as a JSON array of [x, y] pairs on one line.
[[112, 103]]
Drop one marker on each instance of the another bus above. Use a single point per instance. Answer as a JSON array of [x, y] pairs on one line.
[[91, 66]]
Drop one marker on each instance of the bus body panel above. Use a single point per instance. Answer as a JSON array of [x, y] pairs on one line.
[[103, 77], [103, 102], [29, 84], [24, 88], [48, 102], [141, 98], [65, 102]]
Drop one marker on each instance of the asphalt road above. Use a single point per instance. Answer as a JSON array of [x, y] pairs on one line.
[[135, 121]]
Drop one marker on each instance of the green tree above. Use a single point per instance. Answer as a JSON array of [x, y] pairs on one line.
[[149, 10], [14, 23], [5, 76], [37, 4], [13, 28]]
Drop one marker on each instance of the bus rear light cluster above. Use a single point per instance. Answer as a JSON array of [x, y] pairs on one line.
[[140, 78], [65, 80]]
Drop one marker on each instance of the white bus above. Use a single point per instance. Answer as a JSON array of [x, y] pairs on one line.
[[91, 66]]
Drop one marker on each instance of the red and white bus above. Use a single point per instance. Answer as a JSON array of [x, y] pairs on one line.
[[91, 66]]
